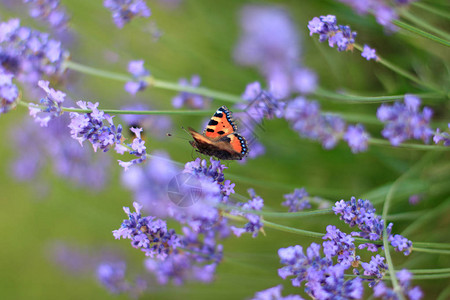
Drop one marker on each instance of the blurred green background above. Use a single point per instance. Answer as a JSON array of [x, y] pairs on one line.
[[198, 38]]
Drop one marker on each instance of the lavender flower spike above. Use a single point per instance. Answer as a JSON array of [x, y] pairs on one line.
[[8, 91], [327, 29], [52, 104], [147, 233], [123, 11]]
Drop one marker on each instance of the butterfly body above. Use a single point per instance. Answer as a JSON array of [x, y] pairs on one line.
[[219, 138]]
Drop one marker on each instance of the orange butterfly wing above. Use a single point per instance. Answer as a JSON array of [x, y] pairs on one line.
[[221, 124]]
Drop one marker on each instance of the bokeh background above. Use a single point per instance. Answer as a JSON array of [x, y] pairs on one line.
[[46, 216]]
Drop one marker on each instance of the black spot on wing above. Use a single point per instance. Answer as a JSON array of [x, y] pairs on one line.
[[209, 130], [220, 132], [213, 122], [218, 115]]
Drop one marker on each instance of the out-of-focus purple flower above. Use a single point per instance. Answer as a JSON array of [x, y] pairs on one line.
[[154, 125], [53, 147], [404, 277], [414, 199], [147, 233], [190, 99], [361, 213], [323, 279], [384, 11], [269, 38], [307, 119], [52, 104], [274, 293], [442, 136], [369, 53], [405, 121], [304, 81], [49, 11], [297, 201], [327, 29], [357, 138], [255, 223], [8, 91], [136, 68], [112, 276], [123, 11], [270, 42], [29, 54]]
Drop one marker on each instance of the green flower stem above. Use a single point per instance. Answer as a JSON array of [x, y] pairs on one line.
[[387, 202], [430, 271], [403, 72], [347, 98], [144, 112], [152, 81], [352, 117], [419, 22], [426, 217], [436, 11], [421, 33], [434, 251], [433, 245], [381, 142], [281, 215], [96, 72]]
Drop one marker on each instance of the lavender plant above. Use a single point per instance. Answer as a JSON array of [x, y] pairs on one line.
[[200, 224]]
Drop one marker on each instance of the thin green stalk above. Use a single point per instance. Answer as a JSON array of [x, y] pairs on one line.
[[436, 11], [352, 117], [432, 245], [381, 142], [419, 22], [144, 112], [347, 98], [281, 215], [430, 271], [431, 276], [421, 33], [403, 72], [434, 251], [406, 215], [426, 217], [154, 82]]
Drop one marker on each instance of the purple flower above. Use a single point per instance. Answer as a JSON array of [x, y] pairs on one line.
[[297, 201], [255, 223], [357, 138], [307, 119], [274, 293], [197, 261], [270, 42], [137, 149], [51, 104], [136, 68], [8, 91], [442, 136], [112, 276], [189, 99], [327, 29], [404, 277], [369, 53], [361, 213], [123, 11], [377, 267], [29, 54], [405, 121], [147, 233], [49, 11], [340, 245], [53, 147], [323, 280]]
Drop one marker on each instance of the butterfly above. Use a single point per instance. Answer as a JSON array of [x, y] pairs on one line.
[[219, 138]]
